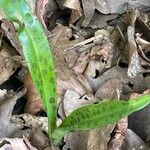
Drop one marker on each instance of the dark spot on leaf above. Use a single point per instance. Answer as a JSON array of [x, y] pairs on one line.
[[54, 89], [44, 71], [52, 100], [51, 68], [52, 80]]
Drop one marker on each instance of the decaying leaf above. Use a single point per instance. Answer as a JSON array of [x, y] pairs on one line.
[[66, 79], [139, 121], [89, 8], [8, 129], [133, 141], [89, 140], [10, 32], [119, 135], [30, 121], [135, 67], [74, 5], [33, 105], [43, 10], [7, 64], [16, 144], [39, 139]]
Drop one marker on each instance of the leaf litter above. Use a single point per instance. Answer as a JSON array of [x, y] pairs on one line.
[[100, 52]]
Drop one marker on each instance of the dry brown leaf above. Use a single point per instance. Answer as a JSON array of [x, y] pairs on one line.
[[72, 101], [7, 64], [119, 135], [96, 139], [135, 67], [33, 105], [44, 9], [89, 9], [139, 121], [133, 141], [10, 32], [66, 78], [117, 6], [16, 144], [74, 5], [27, 120], [8, 129]]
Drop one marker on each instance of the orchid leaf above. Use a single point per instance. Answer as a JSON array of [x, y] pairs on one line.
[[99, 115], [37, 53]]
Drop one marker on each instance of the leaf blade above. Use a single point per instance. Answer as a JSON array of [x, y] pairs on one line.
[[37, 54], [98, 115]]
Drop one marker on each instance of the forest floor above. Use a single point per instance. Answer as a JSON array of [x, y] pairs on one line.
[[101, 50]]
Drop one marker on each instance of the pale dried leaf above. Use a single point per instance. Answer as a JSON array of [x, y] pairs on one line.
[[89, 9], [16, 144], [30, 121], [135, 67], [6, 107], [74, 5], [7, 64], [33, 105], [133, 141]]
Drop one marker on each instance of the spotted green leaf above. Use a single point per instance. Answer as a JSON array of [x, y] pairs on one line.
[[37, 53], [98, 115]]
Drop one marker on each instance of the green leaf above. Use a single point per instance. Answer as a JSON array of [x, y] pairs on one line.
[[37, 53], [98, 115]]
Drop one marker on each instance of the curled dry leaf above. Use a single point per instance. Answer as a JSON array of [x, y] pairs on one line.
[[33, 105], [43, 10], [135, 67], [143, 47], [10, 32], [107, 7], [74, 5], [115, 6], [143, 26]]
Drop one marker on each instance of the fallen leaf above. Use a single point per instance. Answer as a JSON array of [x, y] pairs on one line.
[[140, 120], [89, 9], [72, 101], [27, 120], [8, 129], [33, 105], [133, 141], [10, 32], [135, 67], [66, 78], [16, 144], [7, 64], [74, 5], [119, 132], [45, 8]]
